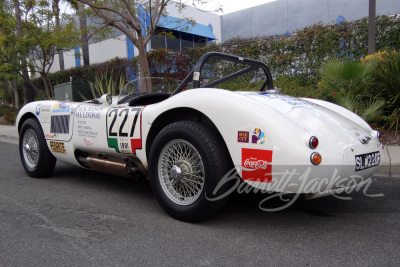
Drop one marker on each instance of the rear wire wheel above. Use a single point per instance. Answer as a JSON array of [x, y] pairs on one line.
[[187, 161], [181, 172]]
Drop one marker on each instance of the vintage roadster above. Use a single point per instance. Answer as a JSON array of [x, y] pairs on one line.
[[197, 143]]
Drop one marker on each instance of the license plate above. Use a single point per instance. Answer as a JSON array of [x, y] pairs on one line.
[[57, 147], [365, 161]]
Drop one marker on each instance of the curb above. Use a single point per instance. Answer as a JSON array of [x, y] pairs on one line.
[[391, 165], [9, 134], [9, 139]]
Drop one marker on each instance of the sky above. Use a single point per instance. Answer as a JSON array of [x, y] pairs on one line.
[[230, 6]]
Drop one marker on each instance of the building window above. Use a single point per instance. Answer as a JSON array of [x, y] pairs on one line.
[[174, 44], [181, 40], [200, 41], [187, 40], [158, 41]]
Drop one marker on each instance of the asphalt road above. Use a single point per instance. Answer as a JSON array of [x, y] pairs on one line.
[[83, 218]]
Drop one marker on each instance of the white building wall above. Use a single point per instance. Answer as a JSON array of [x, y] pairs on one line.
[[69, 59], [108, 49], [56, 64]]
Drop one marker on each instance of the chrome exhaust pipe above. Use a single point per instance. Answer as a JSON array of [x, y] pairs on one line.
[[112, 167]]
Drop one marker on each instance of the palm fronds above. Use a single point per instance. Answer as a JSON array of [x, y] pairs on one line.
[[106, 83]]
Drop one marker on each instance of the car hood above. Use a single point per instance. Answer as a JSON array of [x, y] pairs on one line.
[[318, 120]]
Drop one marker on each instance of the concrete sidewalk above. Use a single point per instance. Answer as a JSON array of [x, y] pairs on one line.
[[390, 167], [9, 134]]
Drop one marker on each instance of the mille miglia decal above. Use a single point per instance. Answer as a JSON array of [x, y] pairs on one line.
[[124, 131]]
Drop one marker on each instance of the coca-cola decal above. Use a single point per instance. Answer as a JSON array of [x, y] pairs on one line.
[[257, 165]]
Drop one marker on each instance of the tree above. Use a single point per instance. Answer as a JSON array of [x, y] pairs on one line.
[[44, 39], [35, 37], [56, 11], [8, 72], [27, 89], [84, 34], [127, 17]]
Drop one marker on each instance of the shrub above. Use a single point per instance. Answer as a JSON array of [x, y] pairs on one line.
[[349, 79], [386, 83]]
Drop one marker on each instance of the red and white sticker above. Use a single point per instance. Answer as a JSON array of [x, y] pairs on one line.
[[257, 165]]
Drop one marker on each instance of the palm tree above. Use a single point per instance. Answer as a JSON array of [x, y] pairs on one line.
[[350, 78]]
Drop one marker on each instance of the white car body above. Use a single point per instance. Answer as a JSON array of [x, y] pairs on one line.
[[266, 135]]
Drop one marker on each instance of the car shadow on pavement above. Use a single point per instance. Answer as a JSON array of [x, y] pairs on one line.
[[380, 197], [251, 204], [102, 181]]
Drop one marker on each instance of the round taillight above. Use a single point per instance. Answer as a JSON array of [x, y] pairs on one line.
[[316, 158], [313, 143]]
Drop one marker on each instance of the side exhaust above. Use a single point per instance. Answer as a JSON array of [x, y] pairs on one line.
[[112, 167]]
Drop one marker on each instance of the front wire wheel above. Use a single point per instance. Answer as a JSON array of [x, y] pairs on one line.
[[30, 148], [187, 161], [35, 155]]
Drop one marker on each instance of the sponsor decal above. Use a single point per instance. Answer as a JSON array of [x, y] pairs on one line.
[[85, 112], [124, 130], [252, 136], [57, 147], [257, 136], [61, 107], [44, 118], [49, 136], [87, 142], [38, 109], [366, 161], [85, 130], [45, 108], [243, 136], [256, 165]]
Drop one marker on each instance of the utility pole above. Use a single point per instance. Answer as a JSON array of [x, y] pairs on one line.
[[371, 27]]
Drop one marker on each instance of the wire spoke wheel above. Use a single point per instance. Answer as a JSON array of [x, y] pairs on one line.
[[35, 155], [30, 148], [186, 164], [181, 172]]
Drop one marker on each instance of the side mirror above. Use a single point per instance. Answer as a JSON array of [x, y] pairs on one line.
[[106, 99]]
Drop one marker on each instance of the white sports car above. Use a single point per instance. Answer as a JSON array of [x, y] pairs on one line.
[[198, 145]]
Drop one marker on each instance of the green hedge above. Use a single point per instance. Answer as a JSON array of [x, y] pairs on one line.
[[298, 56], [85, 74]]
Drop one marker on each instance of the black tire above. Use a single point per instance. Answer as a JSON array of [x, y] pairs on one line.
[[35, 155], [199, 153]]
